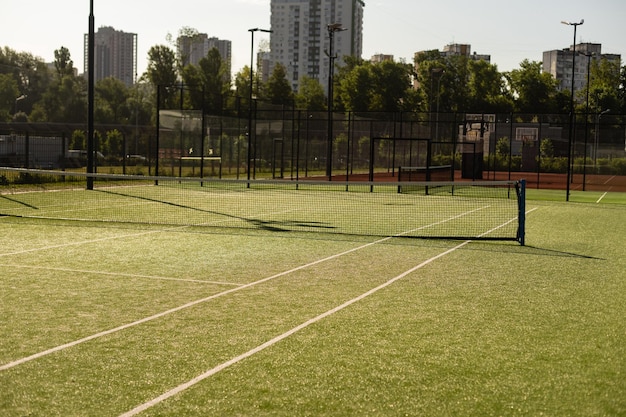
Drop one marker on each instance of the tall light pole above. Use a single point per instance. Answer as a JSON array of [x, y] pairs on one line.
[[588, 55], [90, 95], [251, 97], [571, 115], [332, 28]]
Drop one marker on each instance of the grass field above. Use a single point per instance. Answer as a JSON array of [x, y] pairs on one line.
[[114, 319]]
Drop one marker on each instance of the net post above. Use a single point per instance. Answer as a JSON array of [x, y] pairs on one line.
[[521, 206]]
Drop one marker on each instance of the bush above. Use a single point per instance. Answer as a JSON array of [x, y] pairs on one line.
[[619, 166]]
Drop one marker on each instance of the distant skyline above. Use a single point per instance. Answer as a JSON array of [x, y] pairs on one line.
[[508, 31]]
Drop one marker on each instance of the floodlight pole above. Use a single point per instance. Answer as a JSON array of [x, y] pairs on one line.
[[588, 55], [572, 114], [332, 28], [90, 97], [251, 97]]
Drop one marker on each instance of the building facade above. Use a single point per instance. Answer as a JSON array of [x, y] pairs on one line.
[[559, 63], [191, 49], [115, 55], [300, 38]]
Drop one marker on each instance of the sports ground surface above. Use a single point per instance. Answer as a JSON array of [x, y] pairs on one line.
[[113, 319]]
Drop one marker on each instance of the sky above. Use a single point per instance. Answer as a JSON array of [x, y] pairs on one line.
[[509, 31]]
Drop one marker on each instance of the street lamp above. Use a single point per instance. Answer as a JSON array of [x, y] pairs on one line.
[[332, 28], [250, 97], [572, 116], [90, 96], [588, 55]]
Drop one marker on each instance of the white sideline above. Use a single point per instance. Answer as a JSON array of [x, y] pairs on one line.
[[277, 339], [179, 308], [296, 329], [192, 303], [120, 274]]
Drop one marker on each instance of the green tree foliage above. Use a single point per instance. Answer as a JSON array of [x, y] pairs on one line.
[[486, 89], [30, 74], [111, 101], [392, 84], [503, 147], [242, 83], [277, 89], [535, 91], [605, 82], [8, 94], [113, 144], [209, 83], [310, 95], [64, 100], [161, 71], [63, 62], [354, 89], [384, 86]]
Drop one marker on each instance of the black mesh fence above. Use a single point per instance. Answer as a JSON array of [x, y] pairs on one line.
[[270, 141]]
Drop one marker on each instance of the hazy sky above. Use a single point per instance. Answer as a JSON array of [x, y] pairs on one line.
[[510, 31]]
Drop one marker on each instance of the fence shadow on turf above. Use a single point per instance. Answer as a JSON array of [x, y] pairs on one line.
[[271, 225], [13, 200]]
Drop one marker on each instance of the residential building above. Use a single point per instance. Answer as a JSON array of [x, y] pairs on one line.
[[115, 55], [300, 38], [559, 63], [378, 58], [191, 49]]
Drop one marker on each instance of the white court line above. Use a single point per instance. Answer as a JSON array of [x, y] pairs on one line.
[[291, 332], [601, 197], [196, 302], [86, 242], [609, 180], [119, 274], [179, 308]]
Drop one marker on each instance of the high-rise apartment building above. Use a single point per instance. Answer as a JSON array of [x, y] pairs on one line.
[[300, 39], [559, 63], [191, 49], [115, 55]]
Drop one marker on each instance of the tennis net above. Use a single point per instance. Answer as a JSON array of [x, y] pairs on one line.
[[486, 210]]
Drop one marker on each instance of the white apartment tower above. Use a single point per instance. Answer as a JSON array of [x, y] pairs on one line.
[[559, 63], [115, 55], [300, 38]]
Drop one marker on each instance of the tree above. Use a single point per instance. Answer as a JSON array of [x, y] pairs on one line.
[[111, 97], [535, 91], [64, 100], [277, 89], [161, 72], [29, 73], [355, 89], [8, 93], [486, 89], [391, 83], [63, 62], [310, 95], [604, 86], [385, 86]]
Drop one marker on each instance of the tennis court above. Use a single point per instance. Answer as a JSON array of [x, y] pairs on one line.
[[323, 306]]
